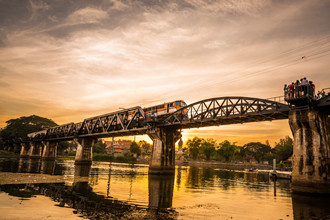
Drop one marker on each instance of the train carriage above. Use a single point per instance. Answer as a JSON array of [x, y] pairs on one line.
[[164, 109]]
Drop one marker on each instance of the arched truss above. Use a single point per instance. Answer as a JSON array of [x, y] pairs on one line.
[[133, 121], [227, 110]]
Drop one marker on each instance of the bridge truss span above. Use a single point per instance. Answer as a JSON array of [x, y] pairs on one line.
[[227, 110], [130, 121]]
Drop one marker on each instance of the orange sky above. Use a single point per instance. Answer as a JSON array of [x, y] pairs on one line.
[[71, 60]]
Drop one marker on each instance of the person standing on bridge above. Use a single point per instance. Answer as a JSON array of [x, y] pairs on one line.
[[286, 89], [291, 90], [311, 89], [304, 86], [297, 88]]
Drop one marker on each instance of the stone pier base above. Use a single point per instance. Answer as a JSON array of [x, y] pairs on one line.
[[84, 154], [311, 152], [163, 150]]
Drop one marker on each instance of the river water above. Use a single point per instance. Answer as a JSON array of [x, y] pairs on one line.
[[125, 191]]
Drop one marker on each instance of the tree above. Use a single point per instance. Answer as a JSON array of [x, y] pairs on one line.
[[62, 146], [99, 147], [194, 147], [208, 148], [20, 127], [1, 142], [145, 146], [227, 150], [135, 148], [284, 149], [258, 150]]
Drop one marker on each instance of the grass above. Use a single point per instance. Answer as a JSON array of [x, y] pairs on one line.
[[8, 154]]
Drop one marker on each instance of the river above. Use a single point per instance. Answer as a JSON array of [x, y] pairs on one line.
[[125, 191]]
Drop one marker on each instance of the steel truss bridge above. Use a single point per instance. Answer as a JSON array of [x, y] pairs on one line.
[[133, 121]]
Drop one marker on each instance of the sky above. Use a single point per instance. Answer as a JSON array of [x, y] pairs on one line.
[[68, 60]]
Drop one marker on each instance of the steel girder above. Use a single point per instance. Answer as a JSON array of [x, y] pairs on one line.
[[120, 123], [227, 110], [132, 121]]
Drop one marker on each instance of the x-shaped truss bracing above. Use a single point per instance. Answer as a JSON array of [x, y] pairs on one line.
[[120, 122], [227, 110]]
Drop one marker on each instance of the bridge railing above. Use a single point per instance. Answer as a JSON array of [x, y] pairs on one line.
[[279, 99], [326, 91]]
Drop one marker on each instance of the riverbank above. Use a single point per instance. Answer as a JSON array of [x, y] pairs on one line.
[[224, 165], [25, 178], [128, 159]]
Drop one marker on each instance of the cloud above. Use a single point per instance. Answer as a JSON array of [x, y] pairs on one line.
[[87, 15], [233, 7], [78, 59]]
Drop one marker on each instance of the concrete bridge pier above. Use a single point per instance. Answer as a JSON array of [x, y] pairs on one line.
[[35, 150], [25, 147], [50, 150], [163, 150], [84, 154], [311, 160]]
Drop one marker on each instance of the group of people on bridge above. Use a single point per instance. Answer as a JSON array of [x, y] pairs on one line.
[[299, 89]]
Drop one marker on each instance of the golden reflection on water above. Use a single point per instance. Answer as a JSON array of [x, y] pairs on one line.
[[192, 193]]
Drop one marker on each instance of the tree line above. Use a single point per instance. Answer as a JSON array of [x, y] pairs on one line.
[[200, 148]]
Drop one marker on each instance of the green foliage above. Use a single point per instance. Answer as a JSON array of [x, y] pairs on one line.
[[20, 127], [103, 157], [284, 149], [208, 148], [67, 148], [99, 147], [2, 143], [145, 146], [73, 153], [62, 146], [7, 154], [194, 147], [258, 150], [135, 148], [227, 150], [122, 159]]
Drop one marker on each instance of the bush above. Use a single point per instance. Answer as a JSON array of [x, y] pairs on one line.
[[103, 157], [73, 153], [128, 159]]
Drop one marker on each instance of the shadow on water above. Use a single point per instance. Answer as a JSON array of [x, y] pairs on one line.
[[89, 204], [27, 165], [310, 207]]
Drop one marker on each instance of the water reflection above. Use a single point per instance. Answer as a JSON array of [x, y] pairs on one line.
[[160, 191], [310, 207], [110, 190], [28, 165]]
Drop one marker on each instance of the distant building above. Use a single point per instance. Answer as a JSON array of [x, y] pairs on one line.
[[118, 148]]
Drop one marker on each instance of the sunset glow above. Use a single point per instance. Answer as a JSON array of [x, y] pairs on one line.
[[69, 61]]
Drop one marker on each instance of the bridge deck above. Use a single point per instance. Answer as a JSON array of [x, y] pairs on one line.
[[209, 112]]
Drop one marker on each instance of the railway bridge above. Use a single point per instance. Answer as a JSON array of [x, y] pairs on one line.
[[308, 119]]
